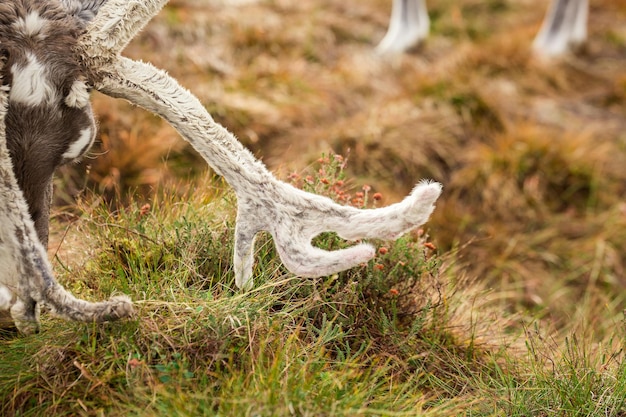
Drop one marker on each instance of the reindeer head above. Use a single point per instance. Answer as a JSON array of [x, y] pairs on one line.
[[49, 120]]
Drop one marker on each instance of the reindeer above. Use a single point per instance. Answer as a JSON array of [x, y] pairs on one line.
[[54, 52], [564, 27]]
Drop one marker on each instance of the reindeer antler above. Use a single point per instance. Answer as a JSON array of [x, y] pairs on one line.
[[293, 217]]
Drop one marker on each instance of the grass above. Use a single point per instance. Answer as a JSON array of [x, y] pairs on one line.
[[405, 334], [509, 303], [361, 342]]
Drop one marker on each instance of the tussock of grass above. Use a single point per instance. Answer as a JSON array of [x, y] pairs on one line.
[[368, 341], [405, 334]]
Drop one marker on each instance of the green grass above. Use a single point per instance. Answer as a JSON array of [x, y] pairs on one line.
[[405, 334]]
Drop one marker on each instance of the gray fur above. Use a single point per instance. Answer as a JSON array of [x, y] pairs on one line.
[[85, 10], [564, 28], [26, 273], [408, 26]]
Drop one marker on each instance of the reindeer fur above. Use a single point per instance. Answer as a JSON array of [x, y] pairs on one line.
[[45, 121]]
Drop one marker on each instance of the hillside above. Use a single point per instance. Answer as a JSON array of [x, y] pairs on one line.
[[509, 302]]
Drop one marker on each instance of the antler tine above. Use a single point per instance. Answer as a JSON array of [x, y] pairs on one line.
[[117, 23], [292, 216]]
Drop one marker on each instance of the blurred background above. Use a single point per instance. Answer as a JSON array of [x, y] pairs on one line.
[[532, 154]]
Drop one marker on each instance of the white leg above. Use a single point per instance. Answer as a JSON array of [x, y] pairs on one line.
[[579, 29], [563, 29], [409, 25]]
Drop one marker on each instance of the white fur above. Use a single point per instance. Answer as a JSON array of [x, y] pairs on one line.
[[8, 270], [32, 25], [409, 25], [76, 149], [292, 216], [26, 278], [78, 96], [556, 38], [30, 83]]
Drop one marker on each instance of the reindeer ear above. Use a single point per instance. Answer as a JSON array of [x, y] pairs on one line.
[[85, 10]]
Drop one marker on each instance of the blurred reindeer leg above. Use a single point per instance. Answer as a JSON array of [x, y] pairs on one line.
[[563, 29], [408, 27], [579, 29]]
